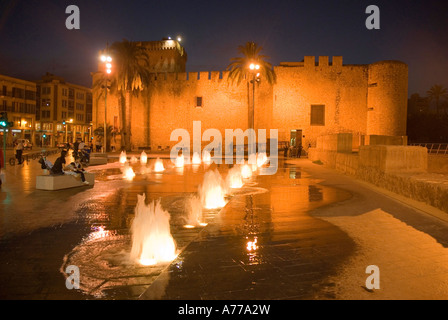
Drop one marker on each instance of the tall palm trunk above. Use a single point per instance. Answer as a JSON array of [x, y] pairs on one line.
[[128, 115]]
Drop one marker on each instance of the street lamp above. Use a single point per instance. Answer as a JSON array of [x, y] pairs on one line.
[[107, 60]]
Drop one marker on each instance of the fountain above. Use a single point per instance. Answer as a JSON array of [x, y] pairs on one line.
[[133, 159], [261, 159], [196, 159], [158, 166], [143, 158], [234, 179], [206, 158], [246, 171], [212, 191], [123, 157], [253, 161], [179, 163], [152, 242], [129, 173], [193, 209]]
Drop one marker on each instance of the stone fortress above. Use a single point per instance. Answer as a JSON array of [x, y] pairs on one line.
[[311, 99]]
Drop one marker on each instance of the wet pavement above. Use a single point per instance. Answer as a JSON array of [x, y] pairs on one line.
[[305, 233]]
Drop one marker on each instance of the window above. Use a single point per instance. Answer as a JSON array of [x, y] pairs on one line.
[[45, 113], [64, 115], [46, 90], [46, 102], [79, 117], [199, 102], [64, 103], [65, 92], [317, 115], [79, 95], [79, 106]]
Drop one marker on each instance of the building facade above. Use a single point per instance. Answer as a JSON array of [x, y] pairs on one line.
[[18, 99], [63, 111], [311, 98]]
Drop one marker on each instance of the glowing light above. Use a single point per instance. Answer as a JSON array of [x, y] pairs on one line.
[[189, 226], [108, 71], [234, 178], [129, 173], [261, 159], [108, 59], [123, 157], [206, 157], [211, 191], [252, 245], [103, 58], [151, 236], [143, 158], [179, 161], [196, 158], [158, 167], [246, 171], [252, 66], [179, 39]]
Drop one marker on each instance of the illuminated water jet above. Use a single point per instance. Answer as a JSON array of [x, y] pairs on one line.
[[246, 171], [196, 158], [212, 191], [179, 161], [206, 157], [152, 241], [123, 157], [129, 173], [143, 158], [158, 166], [234, 179]]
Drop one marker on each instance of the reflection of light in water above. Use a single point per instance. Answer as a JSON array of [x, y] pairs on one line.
[[129, 173], [234, 178], [252, 245], [158, 167], [180, 161], [206, 157], [246, 171], [143, 158], [99, 233], [212, 191], [123, 158], [196, 158], [151, 236]]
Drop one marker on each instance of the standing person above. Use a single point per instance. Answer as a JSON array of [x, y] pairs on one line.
[[19, 152], [59, 164], [75, 149]]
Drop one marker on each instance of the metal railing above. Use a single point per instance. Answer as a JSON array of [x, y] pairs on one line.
[[434, 148]]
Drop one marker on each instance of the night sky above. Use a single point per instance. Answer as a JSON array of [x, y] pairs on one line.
[[34, 39]]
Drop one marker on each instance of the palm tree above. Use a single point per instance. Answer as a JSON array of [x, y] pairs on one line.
[[239, 70], [110, 133], [436, 93], [130, 77]]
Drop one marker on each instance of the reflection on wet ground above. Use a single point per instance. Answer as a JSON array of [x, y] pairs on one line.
[[262, 245]]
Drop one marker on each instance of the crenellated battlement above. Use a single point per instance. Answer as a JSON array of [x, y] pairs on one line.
[[163, 45], [310, 62], [189, 76]]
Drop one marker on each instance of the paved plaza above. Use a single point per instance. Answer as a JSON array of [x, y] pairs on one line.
[[306, 232]]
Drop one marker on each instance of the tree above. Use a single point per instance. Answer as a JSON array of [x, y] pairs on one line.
[[239, 66], [239, 70], [130, 76], [110, 133], [436, 93]]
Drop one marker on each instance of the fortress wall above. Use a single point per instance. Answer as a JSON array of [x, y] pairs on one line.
[[342, 89], [173, 105], [387, 98]]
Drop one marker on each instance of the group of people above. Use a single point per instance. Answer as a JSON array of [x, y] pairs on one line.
[[59, 167]]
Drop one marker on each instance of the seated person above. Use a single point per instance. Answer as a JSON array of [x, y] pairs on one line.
[[45, 164], [59, 164], [75, 168]]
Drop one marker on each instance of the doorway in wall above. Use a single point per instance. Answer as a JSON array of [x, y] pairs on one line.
[[296, 138]]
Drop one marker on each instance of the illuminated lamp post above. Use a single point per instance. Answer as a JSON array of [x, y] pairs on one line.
[[254, 68], [108, 63]]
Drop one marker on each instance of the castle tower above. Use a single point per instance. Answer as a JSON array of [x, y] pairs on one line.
[[387, 98]]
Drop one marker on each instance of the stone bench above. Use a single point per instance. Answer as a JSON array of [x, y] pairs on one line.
[[97, 158], [65, 181]]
